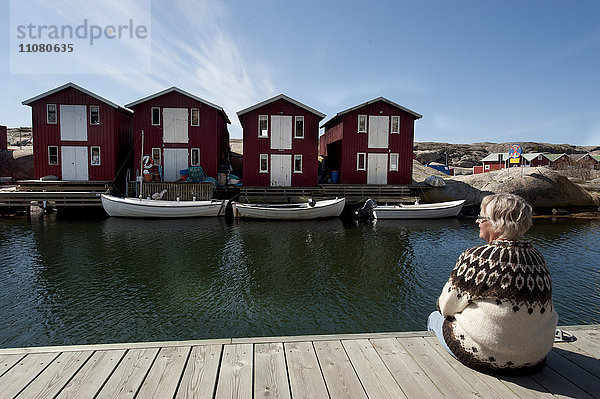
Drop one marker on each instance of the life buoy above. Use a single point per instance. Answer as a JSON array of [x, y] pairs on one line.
[[148, 162]]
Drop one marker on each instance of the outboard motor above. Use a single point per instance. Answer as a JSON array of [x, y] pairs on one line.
[[312, 202], [365, 213]]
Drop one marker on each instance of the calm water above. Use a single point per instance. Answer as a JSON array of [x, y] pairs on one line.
[[114, 280]]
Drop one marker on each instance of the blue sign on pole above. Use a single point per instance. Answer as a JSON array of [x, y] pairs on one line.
[[515, 151]]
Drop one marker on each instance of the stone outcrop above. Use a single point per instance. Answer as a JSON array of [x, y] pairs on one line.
[[17, 164], [541, 187]]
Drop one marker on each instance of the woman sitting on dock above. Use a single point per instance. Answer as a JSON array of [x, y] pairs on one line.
[[495, 312]]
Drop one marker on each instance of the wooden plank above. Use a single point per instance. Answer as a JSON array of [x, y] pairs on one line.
[[445, 378], [128, 376], [588, 343], [235, 376], [270, 372], [376, 379], [525, 387], [340, 377], [164, 375], [52, 380], [411, 378], [90, 378], [579, 357], [200, 375], [7, 361], [22, 373], [558, 385], [306, 380], [332, 337], [486, 385], [575, 374]]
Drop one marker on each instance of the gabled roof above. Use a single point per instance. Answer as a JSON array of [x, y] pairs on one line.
[[280, 97], [493, 157], [76, 87], [576, 157], [178, 90], [531, 156], [596, 157], [554, 157], [339, 114]]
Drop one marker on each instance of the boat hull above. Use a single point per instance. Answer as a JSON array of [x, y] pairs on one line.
[[421, 211], [144, 208], [322, 209]]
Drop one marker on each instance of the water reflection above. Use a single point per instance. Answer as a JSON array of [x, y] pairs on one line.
[[117, 280]]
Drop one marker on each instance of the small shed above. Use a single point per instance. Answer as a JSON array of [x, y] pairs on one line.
[[281, 141], [78, 135], [536, 159], [3, 138], [371, 143], [181, 130]]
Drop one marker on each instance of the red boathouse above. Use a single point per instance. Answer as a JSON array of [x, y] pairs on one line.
[[281, 140], [180, 130], [78, 135], [371, 143], [3, 138]]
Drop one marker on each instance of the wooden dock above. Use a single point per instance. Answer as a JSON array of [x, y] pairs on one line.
[[376, 366]]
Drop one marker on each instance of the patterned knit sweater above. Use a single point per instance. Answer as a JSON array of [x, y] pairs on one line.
[[498, 308]]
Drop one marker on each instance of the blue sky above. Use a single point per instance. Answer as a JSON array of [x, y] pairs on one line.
[[496, 71]]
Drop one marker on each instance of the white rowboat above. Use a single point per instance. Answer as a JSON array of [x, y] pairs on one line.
[[148, 208], [321, 209], [418, 211]]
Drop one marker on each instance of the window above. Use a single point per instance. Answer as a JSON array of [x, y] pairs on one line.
[[299, 132], [264, 163], [487, 167], [51, 113], [297, 163], [155, 116], [540, 157], [395, 125], [94, 115], [195, 117], [361, 161], [156, 156], [52, 155], [394, 162], [263, 126], [195, 155], [362, 123], [95, 155]]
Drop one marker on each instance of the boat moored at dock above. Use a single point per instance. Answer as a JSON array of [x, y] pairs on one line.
[[302, 211], [418, 211], [149, 208]]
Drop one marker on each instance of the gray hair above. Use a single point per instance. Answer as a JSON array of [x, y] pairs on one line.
[[509, 214]]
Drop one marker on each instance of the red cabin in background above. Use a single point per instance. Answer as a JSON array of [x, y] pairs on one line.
[[78, 135], [3, 138], [371, 143], [180, 130], [281, 141]]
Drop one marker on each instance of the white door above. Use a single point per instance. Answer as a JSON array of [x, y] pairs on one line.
[[175, 159], [379, 128], [74, 162], [281, 170], [281, 132], [175, 125], [73, 123], [377, 168]]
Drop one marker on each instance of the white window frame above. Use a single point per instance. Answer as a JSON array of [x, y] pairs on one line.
[[50, 157], [260, 158], [156, 159], [358, 128], [358, 155], [192, 110], [298, 156], [192, 157], [540, 157], [392, 124], [298, 119], [97, 107], [92, 156], [48, 114], [487, 167], [152, 116], [260, 132], [397, 156]]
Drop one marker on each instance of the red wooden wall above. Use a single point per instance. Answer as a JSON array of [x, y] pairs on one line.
[[3, 138], [254, 145], [211, 137]]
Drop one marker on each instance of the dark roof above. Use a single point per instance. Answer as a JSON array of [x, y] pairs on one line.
[[185, 93], [76, 87], [279, 97], [339, 114]]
